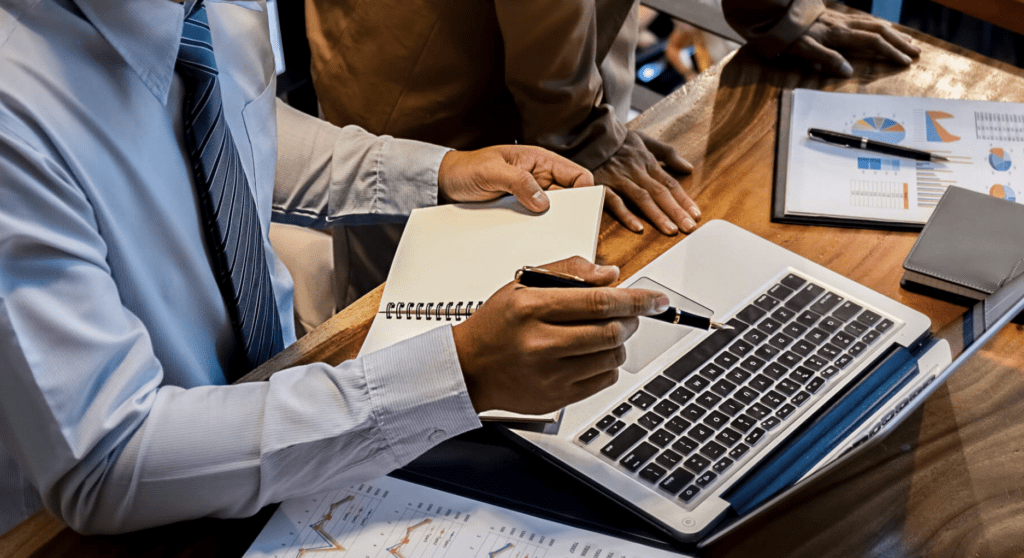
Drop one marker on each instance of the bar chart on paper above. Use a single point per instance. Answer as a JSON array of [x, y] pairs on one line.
[[981, 141], [390, 518]]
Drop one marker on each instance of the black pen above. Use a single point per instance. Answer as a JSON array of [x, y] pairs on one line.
[[544, 278], [858, 142]]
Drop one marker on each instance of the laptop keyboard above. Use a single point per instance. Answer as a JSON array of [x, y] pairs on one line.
[[718, 406]]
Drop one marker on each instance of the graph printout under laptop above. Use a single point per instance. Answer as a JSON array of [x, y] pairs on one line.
[[452, 258], [392, 518], [821, 183], [721, 422]]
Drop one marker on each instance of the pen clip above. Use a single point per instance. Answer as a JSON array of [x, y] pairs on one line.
[[548, 272]]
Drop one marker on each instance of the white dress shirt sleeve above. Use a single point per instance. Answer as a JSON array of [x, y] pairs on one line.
[[112, 448], [328, 175]]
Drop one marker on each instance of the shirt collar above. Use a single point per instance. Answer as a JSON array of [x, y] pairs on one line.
[[146, 33]]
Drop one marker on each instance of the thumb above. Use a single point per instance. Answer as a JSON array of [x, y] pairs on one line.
[[591, 273], [525, 188]]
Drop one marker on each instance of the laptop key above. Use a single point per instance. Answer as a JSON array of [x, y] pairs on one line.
[[666, 408], [769, 326], [794, 329], [727, 437], [788, 359], [716, 420], [871, 336], [780, 291], [743, 423], [737, 375], [868, 318], [640, 455], [708, 400], [681, 395], [740, 348], [697, 463], [676, 480], [685, 446], [714, 450], [642, 400], [802, 347], [761, 382], [650, 421], [589, 435], [801, 375], [884, 325], [722, 464], [830, 324], [731, 407], [773, 399], [843, 340], [828, 372], [815, 384], [843, 361], [652, 473], [677, 425], [726, 359], [855, 328], [622, 409], [758, 411], [765, 302], [693, 412], [800, 398], [826, 303], [723, 387], [659, 386], [661, 438], [847, 310], [793, 281], [775, 370], [746, 395], [738, 451], [668, 459], [787, 386], [828, 351], [754, 336], [770, 422], [700, 432], [706, 478], [689, 493], [816, 336], [783, 314], [808, 318], [754, 436], [752, 364], [857, 348], [804, 297], [815, 362], [766, 352], [750, 314], [614, 429], [625, 440], [702, 351], [711, 372], [604, 423], [697, 383], [784, 411]]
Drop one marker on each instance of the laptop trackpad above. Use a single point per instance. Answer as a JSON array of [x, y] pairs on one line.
[[654, 337]]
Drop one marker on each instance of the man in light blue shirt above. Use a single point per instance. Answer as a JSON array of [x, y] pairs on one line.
[[114, 335]]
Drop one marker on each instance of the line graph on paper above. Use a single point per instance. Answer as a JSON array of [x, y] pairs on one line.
[[334, 523]]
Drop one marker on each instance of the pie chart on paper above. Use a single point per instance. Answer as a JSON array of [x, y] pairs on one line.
[[879, 128], [999, 159], [1004, 192]]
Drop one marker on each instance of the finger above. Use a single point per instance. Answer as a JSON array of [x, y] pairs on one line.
[[899, 40], [578, 339], [868, 43], [521, 184], [585, 270], [644, 201], [594, 384], [613, 204], [662, 195], [567, 173], [666, 154], [678, 193], [589, 305], [830, 60]]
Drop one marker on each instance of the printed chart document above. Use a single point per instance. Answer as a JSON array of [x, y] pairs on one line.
[[390, 518], [451, 258], [819, 183]]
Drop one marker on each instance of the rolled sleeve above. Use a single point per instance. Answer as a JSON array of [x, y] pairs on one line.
[[770, 26]]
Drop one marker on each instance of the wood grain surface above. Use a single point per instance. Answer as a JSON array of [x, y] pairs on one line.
[[948, 482]]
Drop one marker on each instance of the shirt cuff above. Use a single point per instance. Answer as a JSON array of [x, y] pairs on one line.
[[418, 393], [772, 41], [404, 177]]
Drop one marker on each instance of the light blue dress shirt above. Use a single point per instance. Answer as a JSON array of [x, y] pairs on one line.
[[113, 333]]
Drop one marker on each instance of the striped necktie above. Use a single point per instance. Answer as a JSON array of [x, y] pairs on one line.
[[228, 211]]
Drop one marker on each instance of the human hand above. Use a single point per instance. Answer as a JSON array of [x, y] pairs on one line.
[[521, 170], [530, 350], [634, 174], [834, 34]]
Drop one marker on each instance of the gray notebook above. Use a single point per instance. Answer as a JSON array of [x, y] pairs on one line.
[[971, 245]]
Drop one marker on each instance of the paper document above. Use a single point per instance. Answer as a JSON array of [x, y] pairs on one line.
[[983, 140], [390, 518]]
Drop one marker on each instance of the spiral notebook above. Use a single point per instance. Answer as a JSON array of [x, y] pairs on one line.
[[452, 258]]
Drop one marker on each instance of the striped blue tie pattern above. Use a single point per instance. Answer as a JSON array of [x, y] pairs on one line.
[[229, 214]]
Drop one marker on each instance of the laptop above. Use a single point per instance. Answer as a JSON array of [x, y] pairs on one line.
[[705, 429]]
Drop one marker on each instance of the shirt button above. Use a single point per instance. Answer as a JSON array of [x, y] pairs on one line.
[[437, 436]]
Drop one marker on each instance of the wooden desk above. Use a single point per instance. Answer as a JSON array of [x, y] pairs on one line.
[[948, 482]]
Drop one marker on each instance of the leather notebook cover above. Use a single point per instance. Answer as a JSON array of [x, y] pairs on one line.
[[972, 241]]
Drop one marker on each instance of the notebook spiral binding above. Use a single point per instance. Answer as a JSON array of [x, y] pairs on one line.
[[431, 310]]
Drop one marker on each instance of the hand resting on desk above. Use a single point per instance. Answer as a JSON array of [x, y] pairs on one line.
[[835, 34], [534, 351]]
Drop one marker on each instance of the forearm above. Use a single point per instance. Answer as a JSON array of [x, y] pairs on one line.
[[770, 26], [328, 175]]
